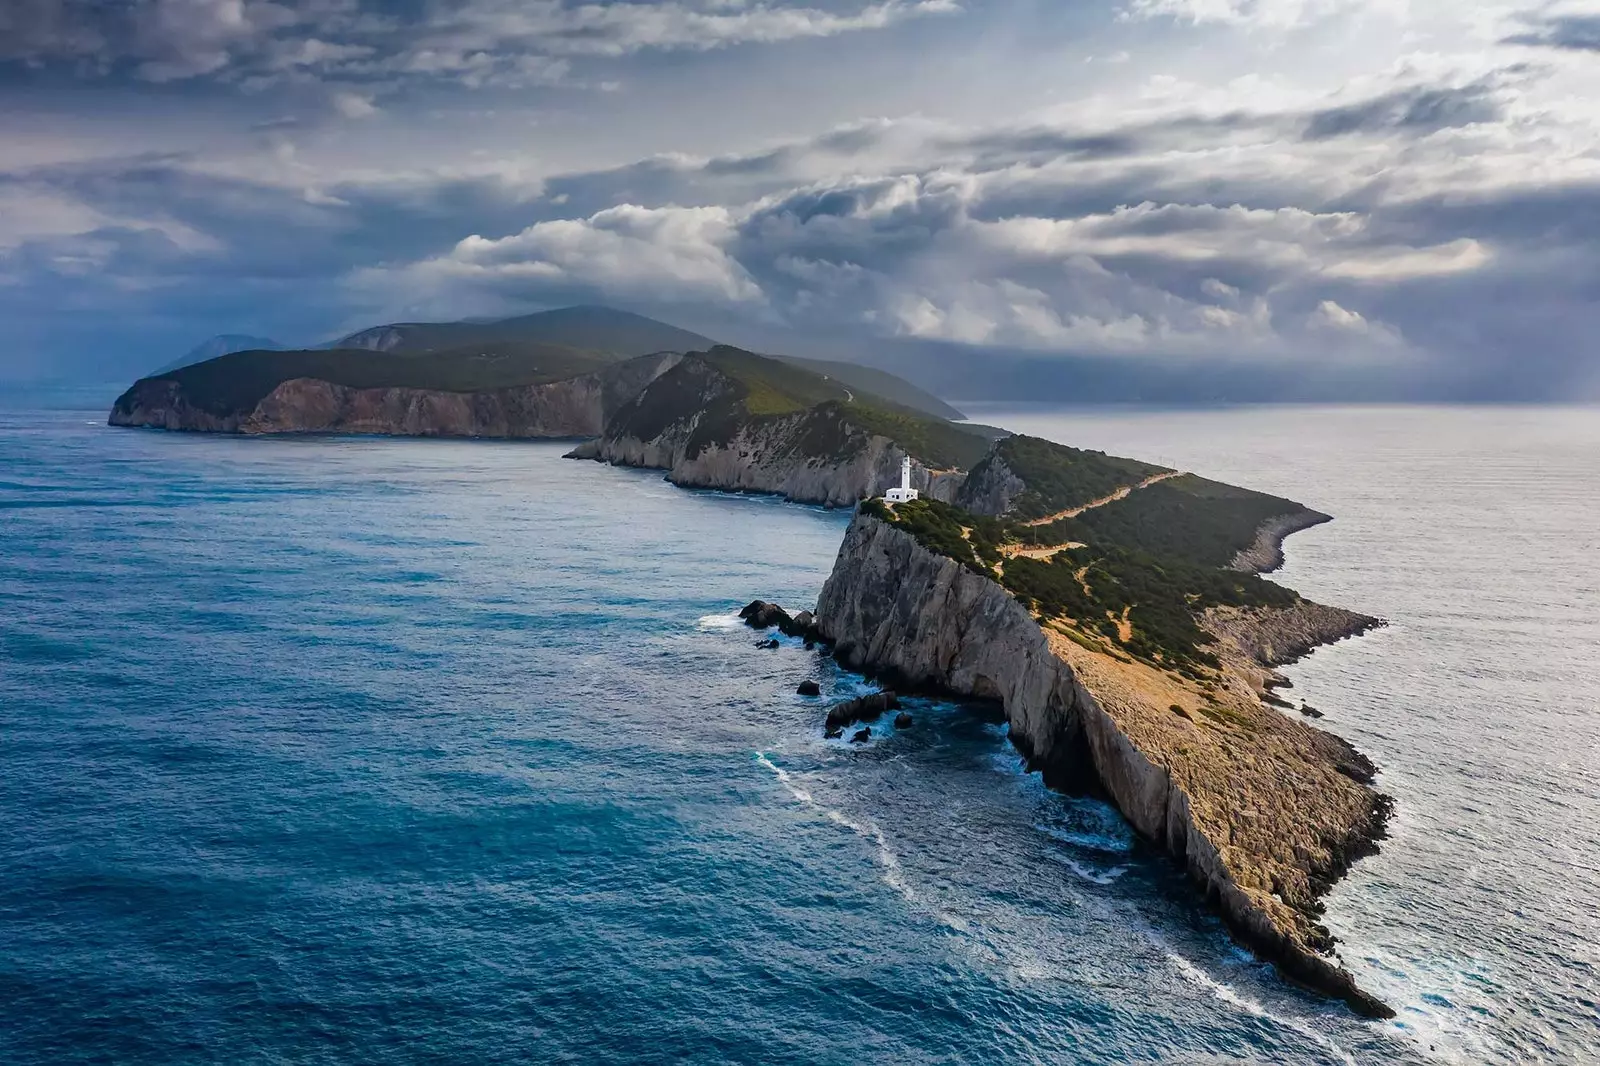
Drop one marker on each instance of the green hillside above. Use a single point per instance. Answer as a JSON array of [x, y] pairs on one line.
[[726, 389], [879, 383], [599, 329], [1060, 478], [1133, 573]]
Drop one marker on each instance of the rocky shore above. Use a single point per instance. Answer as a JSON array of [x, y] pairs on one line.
[[1266, 554], [1263, 811]]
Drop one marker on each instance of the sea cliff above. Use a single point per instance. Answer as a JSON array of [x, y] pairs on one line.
[[772, 456], [732, 420], [1263, 811], [575, 407]]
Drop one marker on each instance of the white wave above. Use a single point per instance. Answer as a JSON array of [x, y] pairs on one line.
[[893, 873], [1091, 841], [1089, 873], [719, 622], [1195, 975]]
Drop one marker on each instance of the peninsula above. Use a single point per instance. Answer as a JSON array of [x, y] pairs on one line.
[[1108, 606], [1115, 609]]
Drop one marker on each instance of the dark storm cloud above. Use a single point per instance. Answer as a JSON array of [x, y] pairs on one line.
[[1578, 33], [1417, 109], [474, 42]]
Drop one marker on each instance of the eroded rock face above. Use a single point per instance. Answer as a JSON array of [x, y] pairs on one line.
[[771, 456], [992, 489], [1264, 811], [576, 407]]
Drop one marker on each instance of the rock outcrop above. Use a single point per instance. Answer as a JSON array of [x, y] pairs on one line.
[[1277, 636], [862, 709], [992, 488], [1264, 811], [575, 407]]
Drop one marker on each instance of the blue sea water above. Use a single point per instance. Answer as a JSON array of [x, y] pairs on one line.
[[344, 750]]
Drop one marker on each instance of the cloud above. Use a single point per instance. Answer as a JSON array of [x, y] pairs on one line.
[[1576, 33], [353, 105], [629, 252], [476, 42], [1274, 14], [1419, 109]]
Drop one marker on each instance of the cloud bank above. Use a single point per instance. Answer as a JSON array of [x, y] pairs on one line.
[[1430, 222]]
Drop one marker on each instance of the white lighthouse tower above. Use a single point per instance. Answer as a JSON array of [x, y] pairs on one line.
[[905, 493]]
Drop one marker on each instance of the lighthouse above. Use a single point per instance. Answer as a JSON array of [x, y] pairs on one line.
[[905, 493]]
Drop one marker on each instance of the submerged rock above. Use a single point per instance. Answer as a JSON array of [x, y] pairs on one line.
[[1310, 711], [809, 688], [903, 721], [770, 644], [862, 735], [865, 709], [834, 733]]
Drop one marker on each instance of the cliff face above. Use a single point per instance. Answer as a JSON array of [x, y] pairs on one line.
[[771, 456], [993, 487], [696, 430], [1263, 811], [575, 407]]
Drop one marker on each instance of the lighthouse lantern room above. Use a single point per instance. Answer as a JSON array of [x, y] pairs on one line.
[[905, 493]]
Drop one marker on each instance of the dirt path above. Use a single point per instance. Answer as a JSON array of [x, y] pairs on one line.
[[1017, 551], [1121, 494]]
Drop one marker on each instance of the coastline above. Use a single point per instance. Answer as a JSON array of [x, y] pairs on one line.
[[1265, 812], [1266, 555]]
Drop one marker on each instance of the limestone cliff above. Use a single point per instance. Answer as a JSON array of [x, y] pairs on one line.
[[576, 407], [772, 456], [993, 487], [739, 422], [1263, 811]]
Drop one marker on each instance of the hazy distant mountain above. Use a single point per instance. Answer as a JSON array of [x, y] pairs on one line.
[[878, 382], [617, 333], [597, 329], [222, 344]]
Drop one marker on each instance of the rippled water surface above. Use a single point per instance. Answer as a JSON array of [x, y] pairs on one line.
[[1476, 532], [402, 751]]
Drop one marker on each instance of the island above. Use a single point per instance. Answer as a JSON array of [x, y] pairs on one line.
[[1116, 610]]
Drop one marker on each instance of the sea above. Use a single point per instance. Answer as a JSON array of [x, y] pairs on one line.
[[346, 750]]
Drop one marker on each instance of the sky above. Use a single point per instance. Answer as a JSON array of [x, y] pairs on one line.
[[1381, 198]]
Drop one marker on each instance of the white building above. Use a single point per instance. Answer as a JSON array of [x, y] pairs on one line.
[[905, 493]]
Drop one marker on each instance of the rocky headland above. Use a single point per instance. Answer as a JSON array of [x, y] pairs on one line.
[[577, 406], [1264, 812], [739, 422]]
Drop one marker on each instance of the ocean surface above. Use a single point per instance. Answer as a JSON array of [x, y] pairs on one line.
[[347, 750]]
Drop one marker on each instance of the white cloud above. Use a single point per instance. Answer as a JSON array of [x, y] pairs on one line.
[[662, 254], [353, 105]]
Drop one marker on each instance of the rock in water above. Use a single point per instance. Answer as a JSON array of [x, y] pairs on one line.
[[833, 734], [1310, 711], [809, 688], [760, 614], [866, 709], [902, 721], [770, 644], [862, 736]]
